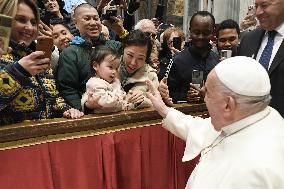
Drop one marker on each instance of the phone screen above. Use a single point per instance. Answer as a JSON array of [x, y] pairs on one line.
[[112, 11], [197, 78], [177, 43], [117, 2]]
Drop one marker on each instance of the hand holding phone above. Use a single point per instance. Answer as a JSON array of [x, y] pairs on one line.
[[111, 11], [251, 12], [33, 63]]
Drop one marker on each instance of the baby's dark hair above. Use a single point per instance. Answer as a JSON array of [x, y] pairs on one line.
[[98, 55]]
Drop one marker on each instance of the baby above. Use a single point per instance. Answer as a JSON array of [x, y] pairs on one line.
[[104, 83]]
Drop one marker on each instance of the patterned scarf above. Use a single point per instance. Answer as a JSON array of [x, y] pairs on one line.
[[124, 75]]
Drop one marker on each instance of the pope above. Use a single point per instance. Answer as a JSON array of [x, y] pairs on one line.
[[242, 143]]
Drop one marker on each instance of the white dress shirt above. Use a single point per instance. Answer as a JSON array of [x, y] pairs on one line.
[[277, 42], [248, 154]]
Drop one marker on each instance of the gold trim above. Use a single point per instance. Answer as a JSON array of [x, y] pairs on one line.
[[75, 135]]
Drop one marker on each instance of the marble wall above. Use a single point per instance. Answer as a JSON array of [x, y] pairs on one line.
[[178, 12], [233, 9]]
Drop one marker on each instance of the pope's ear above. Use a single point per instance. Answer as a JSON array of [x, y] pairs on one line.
[[231, 104]]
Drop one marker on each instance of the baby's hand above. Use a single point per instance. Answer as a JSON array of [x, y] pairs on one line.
[[135, 97], [93, 102]]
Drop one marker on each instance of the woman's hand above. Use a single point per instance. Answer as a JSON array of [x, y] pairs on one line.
[[73, 114], [115, 24], [102, 4], [174, 51], [135, 97], [34, 64], [44, 30]]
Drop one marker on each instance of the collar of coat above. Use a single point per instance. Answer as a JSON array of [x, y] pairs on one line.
[[78, 40]]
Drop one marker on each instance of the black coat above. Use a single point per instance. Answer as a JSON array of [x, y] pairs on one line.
[[249, 46], [181, 72], [165, 56]]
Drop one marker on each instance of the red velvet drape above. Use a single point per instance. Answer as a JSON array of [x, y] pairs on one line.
[[141, 158]]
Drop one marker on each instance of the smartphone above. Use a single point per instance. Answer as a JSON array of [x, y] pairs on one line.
[[197, 78], [112, 11], [226, 54], [177, 43], [45, 44], [116, 2], [251, 11], [5, 32]]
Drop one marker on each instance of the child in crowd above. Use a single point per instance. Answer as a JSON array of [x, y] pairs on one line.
[[104, 83]]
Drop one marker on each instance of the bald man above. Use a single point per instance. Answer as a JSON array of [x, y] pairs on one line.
[[74, 62]]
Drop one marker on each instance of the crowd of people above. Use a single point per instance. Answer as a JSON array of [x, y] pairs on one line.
[[145, 50], [102, 63]]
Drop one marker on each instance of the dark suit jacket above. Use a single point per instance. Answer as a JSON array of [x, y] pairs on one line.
[[249, 46]]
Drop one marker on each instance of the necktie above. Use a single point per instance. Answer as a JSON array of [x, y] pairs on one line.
[[266, 54]]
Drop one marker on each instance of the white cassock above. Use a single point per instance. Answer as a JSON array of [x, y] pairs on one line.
[[248, 154]]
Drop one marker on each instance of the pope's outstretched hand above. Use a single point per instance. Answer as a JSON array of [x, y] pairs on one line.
[[154, 95]]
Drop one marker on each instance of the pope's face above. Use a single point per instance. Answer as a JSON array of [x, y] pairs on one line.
[[215, 101]]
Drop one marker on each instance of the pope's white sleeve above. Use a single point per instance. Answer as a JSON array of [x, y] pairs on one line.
[[194, 130], [181, 125]]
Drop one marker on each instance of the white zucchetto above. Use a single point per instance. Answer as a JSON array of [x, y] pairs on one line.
[[244, 76]]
